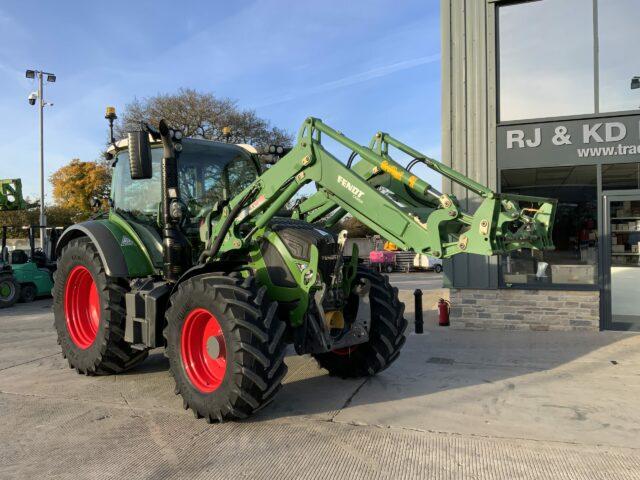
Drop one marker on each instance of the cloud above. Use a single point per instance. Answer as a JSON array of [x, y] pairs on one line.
[[353, 79]]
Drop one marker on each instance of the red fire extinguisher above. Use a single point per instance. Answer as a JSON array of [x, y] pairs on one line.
[[443, 312]]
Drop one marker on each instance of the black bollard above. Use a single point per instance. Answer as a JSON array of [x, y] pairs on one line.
[[419, 323]]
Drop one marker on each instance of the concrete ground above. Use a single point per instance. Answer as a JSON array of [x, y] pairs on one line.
[[456, 404]]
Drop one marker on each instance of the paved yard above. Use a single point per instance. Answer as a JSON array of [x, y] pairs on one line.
[[457, 404]]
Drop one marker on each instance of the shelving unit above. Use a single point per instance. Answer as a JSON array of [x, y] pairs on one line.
[[624, 259]]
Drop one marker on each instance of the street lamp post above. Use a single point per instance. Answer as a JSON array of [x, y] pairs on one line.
[[51, 77]]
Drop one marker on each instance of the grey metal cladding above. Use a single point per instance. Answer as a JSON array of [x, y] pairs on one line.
[[469, 119]]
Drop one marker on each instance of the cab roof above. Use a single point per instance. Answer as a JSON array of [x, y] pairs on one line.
[[123, 144]]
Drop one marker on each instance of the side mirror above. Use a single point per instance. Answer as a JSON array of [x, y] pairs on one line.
[[139, 155], [635, 83]]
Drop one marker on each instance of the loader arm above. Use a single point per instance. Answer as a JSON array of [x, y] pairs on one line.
[[439, 229], [421, 198]]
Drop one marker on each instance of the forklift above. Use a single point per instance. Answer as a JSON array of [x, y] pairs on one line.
[[32, 272], [23, 276]]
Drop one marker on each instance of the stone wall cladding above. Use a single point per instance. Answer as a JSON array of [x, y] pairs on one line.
[[538, 310]]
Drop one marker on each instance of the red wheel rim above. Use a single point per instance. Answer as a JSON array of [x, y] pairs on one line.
[[204, 352], [345, 351], [82, 307]]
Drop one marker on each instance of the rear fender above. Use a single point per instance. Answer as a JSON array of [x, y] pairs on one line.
[[122, 252]]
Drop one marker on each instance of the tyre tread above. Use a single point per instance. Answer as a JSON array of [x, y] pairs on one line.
[[257, 362]]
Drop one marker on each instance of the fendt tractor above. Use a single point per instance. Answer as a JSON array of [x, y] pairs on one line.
[[199, 254]]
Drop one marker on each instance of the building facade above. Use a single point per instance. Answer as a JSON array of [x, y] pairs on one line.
[[542, 97]]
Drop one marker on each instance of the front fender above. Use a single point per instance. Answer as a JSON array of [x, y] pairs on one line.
[[121, 255]]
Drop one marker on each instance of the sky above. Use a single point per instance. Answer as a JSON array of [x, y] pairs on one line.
[[361, 66]]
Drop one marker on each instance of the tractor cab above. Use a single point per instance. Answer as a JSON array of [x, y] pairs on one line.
[[209, 174]]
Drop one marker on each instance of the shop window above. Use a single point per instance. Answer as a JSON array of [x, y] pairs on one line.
[[575, 258], [621, 176], [619, 59], [546, 59]]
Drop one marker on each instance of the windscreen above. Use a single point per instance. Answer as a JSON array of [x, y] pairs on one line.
[[208, 172], [210, 175]]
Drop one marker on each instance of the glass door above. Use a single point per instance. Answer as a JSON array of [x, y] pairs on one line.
[[622, 262]]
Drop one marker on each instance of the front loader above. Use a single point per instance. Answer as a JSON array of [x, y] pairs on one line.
[[198, 254]]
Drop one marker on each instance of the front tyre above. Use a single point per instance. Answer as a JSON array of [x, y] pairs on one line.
[[225, 346], [386, 336], [89, 313]]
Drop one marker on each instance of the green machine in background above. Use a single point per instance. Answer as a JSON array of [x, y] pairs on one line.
[[199, 254], [23, 276], [11, 195]]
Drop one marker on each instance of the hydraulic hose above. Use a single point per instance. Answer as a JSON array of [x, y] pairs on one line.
[[412, 164], [217, 243], [352, 157]]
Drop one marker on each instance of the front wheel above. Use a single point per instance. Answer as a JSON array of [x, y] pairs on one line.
[[225, 346], [386, 335], [437, 269]]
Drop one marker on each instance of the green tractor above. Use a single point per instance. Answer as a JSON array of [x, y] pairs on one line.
[[198, 254]]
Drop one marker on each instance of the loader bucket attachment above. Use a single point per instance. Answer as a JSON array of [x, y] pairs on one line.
[[524, 222]]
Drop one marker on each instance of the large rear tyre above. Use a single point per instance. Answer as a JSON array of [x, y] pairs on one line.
[[386, 336], [89, 313], [9, 290], [225, 346]]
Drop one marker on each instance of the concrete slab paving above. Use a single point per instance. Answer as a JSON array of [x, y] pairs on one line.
[[456, 404]]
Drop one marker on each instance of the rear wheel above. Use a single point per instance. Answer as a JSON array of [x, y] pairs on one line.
[[89, 313], [28, 293], [225, 346], [386, 336], [9, 290], [437, 269]]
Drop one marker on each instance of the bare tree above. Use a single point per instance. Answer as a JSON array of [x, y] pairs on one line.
[[195, 113]]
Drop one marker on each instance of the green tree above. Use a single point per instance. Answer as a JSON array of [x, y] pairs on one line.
[[354, 227], [196, 113]]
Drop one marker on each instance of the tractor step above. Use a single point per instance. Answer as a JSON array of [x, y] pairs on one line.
[[146, 304]]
